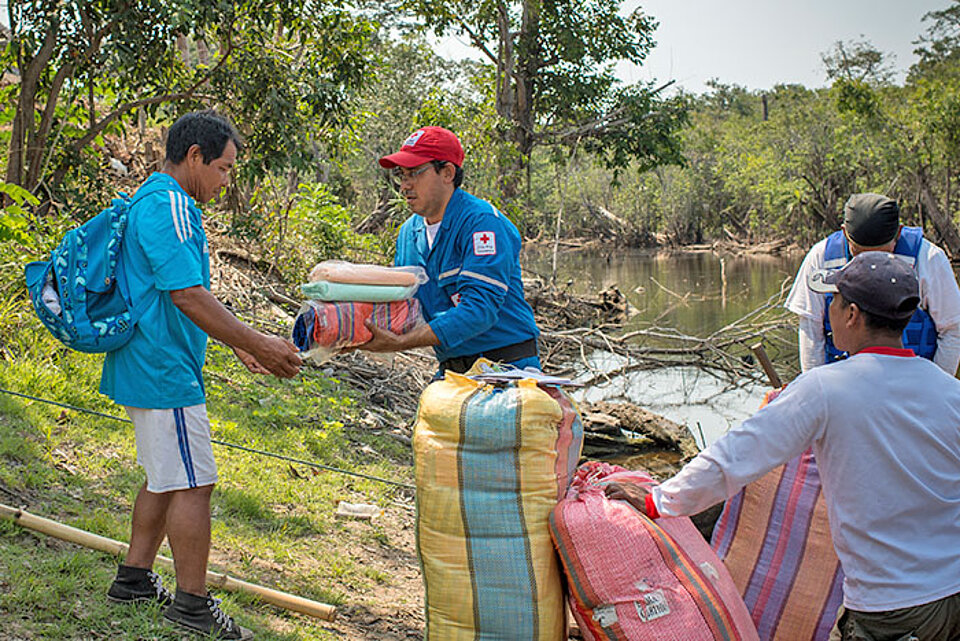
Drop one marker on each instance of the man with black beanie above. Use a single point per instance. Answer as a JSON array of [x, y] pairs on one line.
[[871, 222], [883, 425]]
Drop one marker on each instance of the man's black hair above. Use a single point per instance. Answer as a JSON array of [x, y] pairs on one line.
[[876, 322], [208, 129], [882, 323], [457, 176]]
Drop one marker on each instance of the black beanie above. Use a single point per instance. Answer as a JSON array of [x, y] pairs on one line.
[[871, 219]]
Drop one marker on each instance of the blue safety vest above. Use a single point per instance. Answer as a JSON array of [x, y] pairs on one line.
[[920, 335]]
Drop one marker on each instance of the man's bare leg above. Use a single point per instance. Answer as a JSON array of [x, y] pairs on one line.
[[149, 527], [188, 530]]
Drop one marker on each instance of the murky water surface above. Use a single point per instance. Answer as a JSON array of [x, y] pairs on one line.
[[685, 291]]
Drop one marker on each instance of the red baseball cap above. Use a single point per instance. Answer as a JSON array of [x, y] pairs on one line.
[[424, 145]]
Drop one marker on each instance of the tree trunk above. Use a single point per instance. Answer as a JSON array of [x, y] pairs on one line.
[[941, 220], [23, 120], [375, 221], [183, 47], [38, 145]]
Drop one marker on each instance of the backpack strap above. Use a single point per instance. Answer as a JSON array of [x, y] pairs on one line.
[[138, 310], [153, 294]]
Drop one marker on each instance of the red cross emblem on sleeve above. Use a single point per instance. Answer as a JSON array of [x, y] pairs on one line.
[[484, 243]]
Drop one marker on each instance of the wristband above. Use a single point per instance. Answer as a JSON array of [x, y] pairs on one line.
[[652, 511]]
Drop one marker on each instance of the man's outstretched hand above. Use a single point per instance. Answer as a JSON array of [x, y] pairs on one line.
[[634, 494], [277, 355], [251, 363], [386, 341]]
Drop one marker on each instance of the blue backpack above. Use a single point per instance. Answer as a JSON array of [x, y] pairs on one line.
[[86, 274]]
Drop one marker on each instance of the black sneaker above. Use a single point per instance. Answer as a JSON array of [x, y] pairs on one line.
[[137, 585], [202, 615]]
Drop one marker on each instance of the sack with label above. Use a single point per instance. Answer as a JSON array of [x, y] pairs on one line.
[[634, 578], [79, 293]]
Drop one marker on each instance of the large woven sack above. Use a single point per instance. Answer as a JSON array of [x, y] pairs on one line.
[[635, 578], [774, 538], [491, 463]]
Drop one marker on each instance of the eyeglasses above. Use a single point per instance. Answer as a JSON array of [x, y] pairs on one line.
[[409, 176]]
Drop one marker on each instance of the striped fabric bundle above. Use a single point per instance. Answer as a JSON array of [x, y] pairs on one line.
[[634, 578], [329, 327], [491, 463], [775, 540]]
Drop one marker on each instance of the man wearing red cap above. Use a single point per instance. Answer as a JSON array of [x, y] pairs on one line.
[[473, 302]]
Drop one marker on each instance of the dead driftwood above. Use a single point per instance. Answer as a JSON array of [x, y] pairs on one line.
[[573, 328], [724, 352], [555, 308], [623, 430]]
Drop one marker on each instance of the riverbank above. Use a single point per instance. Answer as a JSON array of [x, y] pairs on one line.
[[274, 521], [728, 246]]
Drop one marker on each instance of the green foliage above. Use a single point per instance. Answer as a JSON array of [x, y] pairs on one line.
[[283, 70], [857, 97], [555, 82], [296, 230], [940, 45], [13, 217]]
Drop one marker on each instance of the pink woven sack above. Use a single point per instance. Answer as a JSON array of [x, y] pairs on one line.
[[633, 578]]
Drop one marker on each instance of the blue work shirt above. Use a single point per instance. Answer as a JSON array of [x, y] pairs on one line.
[[164, 249], [474, 298]]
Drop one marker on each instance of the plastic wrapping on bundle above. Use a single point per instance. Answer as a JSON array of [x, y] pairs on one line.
[[321, 329], [337, 280]]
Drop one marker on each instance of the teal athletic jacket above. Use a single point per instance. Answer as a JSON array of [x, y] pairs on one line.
[[474, 298]]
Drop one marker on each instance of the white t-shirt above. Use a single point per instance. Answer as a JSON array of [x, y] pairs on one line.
[[885, 430], [431, 232], [939, 296]]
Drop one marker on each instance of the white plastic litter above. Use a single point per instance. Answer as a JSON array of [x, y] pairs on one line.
[[359, 511]]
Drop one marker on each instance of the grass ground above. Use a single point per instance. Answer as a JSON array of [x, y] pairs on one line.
[[273, 522]]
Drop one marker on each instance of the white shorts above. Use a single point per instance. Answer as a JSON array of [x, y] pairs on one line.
[[173, 446]]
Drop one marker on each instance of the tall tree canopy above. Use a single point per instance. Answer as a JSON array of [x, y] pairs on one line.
[[555, 80], [282, 68]]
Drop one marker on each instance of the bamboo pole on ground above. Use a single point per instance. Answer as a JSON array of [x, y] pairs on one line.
[[214, 579]]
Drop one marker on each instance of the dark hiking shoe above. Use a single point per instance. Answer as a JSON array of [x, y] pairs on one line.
[[202, 615], [137, 585]]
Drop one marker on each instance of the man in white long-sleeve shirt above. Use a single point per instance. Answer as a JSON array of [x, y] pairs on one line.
[[885, 428], [871, 222]]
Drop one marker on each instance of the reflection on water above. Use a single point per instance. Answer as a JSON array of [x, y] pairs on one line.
[[672, 289], [685, 291]]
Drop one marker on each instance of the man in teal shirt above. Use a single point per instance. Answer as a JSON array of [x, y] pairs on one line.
[[157, 375]]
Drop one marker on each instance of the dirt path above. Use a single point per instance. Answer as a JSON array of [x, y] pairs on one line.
[[394, 609]]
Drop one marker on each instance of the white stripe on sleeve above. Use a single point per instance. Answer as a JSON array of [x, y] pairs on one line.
[[173, 214], [185, 215], [485, 279]]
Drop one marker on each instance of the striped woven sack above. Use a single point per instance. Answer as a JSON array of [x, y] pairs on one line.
[[634, 578], [491, 462], [774, 538]]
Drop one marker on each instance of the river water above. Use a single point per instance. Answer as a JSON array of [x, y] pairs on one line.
[[685, 291]]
